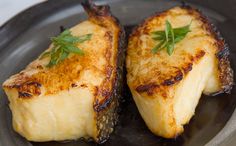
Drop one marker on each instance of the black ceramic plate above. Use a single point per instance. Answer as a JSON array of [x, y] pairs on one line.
[[25, 36]]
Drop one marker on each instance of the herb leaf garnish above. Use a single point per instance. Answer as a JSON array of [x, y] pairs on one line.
[[63, 45], [169, 37]]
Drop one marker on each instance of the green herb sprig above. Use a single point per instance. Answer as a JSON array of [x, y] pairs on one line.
[[63, 45], [169, 37]]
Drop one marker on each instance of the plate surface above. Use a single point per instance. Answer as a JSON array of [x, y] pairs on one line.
[[25, 36]]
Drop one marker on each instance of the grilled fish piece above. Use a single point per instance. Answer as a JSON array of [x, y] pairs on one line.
[[166, 89], [78, 97]]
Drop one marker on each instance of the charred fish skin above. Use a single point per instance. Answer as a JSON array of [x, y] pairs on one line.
[[79, 97], [158, 81], [107, 110], [226, 72]]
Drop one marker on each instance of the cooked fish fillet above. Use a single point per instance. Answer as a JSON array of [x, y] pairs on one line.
[[166, 89], [77, 97]]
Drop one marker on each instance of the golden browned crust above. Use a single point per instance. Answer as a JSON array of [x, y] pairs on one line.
[[29, 88], [225, 72], [65, 75], [62, 76], [173, 78]]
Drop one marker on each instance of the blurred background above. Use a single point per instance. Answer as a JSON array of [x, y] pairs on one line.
[[9, 8]]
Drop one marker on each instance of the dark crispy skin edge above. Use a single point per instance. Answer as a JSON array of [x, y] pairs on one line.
[[107, 110], [225, 71]]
